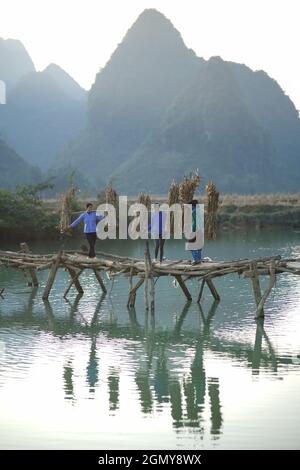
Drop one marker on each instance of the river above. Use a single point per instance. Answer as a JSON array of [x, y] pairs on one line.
[[86, 373]]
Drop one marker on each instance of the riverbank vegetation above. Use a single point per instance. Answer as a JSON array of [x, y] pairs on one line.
[[24, 215]]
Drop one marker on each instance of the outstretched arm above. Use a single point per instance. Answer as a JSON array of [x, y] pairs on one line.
[[76, 221]]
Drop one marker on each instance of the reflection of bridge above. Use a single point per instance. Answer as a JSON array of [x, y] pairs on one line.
[[147, 272], [155, 380]]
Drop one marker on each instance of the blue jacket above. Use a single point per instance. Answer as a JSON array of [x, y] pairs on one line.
[[158, 223], [90, 220]]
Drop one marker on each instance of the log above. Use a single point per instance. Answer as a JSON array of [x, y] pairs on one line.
[[201, 291], [183, 287], [221, 272], [256, 285], [132, 293], [152, 283], [181, 318], [256, 357], [261, 272], [259, 310], [51, 276], [147, 269], [212, 289], [104, 255], [74, 279], [100, 281], [50, 314]]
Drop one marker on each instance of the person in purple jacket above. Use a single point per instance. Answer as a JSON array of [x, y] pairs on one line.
[[90, 220]]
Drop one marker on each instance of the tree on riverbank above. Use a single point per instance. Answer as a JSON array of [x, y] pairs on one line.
[[23, 215]]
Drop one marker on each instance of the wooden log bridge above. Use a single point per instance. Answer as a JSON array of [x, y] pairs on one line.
[[146, 272]]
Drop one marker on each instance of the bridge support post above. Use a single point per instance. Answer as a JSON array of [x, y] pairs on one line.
[[100, 280], [132, 293], [183, 287], [34, 281], [256, 289], [51, 277]]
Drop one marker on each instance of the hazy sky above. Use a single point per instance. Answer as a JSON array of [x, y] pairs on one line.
[[80, 35]]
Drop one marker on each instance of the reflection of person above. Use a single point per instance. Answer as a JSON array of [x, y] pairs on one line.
[[176, 404], [142, 382], [92, 367], [196, 242], [215, 406], [161, 378], [90, 220], [113, 386], [68, 380], [157, 228]]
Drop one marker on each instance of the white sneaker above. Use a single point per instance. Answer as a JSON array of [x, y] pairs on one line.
[[154, 260]]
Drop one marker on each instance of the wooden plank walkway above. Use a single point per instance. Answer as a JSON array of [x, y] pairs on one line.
[[147, 272]]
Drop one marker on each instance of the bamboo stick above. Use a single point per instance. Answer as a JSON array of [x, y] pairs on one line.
[[132, 293], [32, 272], [256, 286], [74, 278], [100, 281], [201, 291], [212, 289], [51, 277], [183, 287], [259, 310]]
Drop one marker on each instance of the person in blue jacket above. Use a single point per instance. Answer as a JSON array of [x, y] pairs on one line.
[[196, 243], [90, 220], [157, 228]]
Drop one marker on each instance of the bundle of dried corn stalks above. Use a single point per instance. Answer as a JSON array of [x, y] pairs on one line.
[[212, 211]]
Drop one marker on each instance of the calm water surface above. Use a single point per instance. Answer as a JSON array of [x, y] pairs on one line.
[[88, 373]]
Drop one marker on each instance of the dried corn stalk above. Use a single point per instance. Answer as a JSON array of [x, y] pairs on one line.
[[145, 199], [188, 187], [111, 196], [173, 194], [173, 198], [212, 211], [67, 202]]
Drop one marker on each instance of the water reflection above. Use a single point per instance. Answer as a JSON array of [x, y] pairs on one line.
[[68, 380], [93, 364], [155, 356], [113, 386], [258, 356]]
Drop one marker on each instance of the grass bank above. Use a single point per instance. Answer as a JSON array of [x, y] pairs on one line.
[[25, 217]]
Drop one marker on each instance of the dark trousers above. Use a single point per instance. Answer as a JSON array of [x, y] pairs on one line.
[[91, 238], [159, 246]]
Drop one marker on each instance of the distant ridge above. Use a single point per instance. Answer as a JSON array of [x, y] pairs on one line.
[[14, 170], [15, 62], [143, 76], [65, 82], [155, 112]]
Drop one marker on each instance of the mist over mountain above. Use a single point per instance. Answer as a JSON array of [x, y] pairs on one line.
[[44, 110], [14, 170], [155, 112], [65, 82], [15, 62], [143, 76], [39, 119], [276, 114], [209, 127]]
